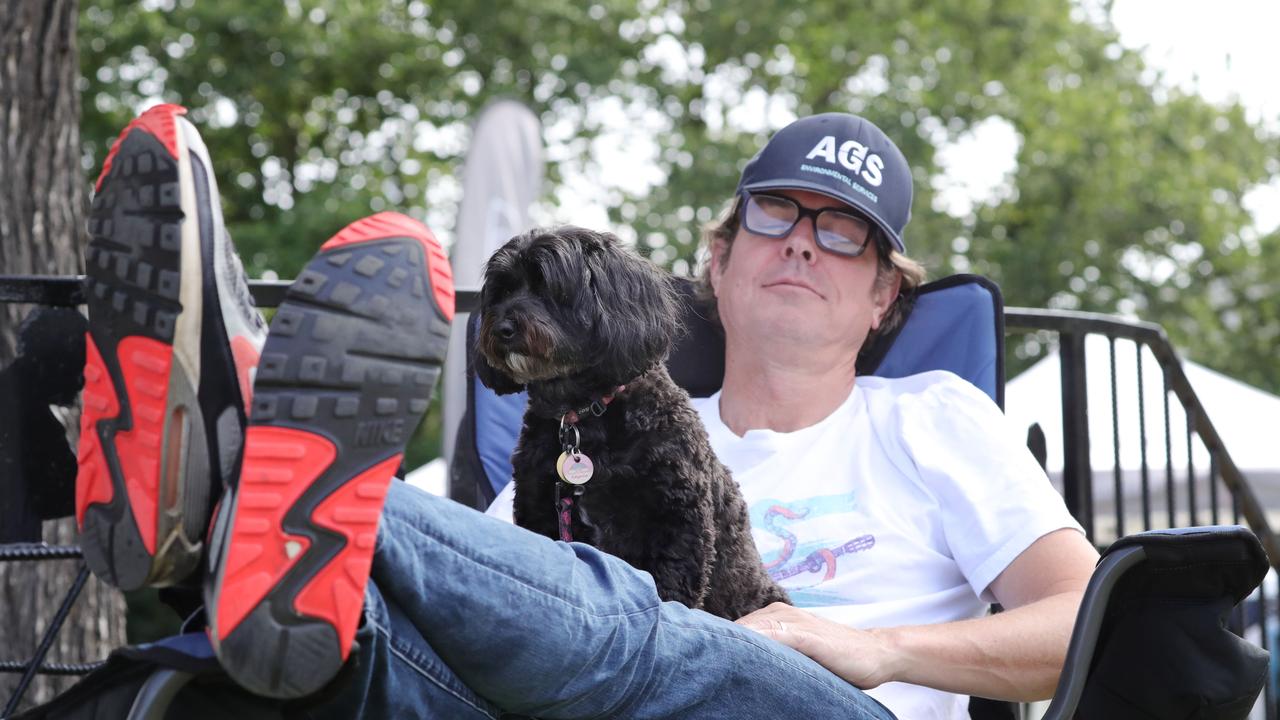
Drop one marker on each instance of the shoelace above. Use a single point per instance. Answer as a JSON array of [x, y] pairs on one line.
[[235, 266]]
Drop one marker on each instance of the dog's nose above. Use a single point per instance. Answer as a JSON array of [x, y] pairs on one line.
[[506, 329]]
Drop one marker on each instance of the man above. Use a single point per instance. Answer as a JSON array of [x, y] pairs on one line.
[[457, 615], [951, 498], [921, 477]]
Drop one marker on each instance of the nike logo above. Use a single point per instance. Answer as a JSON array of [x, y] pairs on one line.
[[379, 432]]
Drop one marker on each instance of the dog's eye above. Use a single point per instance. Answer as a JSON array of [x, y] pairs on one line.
[[552, 289], [499, 288]]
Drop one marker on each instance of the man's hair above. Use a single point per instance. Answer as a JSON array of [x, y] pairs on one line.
[[889, 262]]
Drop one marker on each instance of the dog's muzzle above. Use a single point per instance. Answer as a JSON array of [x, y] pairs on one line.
[[524, 368], [521, 347]]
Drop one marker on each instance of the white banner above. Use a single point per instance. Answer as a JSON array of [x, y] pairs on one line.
[[501, 178]]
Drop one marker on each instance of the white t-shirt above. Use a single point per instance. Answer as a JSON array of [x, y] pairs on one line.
[[899, 508]]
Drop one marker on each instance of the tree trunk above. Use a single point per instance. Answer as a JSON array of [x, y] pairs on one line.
[[42, 208]]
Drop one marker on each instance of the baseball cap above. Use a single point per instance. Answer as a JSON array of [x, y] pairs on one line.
[[843, 156]]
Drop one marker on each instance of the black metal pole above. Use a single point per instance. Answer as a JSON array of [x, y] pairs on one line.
[[1169, 494], [1269, 700], [1115, 442], [1142, 449], [1191, 470], [1213, 487], [1077, 474]]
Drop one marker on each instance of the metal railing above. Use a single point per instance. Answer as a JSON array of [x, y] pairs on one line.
[[1218, 493], [36, 664]]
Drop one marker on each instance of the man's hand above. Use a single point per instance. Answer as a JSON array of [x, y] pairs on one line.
[[1015, 655], [862, 657]]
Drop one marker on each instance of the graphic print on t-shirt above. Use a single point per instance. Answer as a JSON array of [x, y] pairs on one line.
[[803, 543]]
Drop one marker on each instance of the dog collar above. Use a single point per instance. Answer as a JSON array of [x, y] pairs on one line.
[[573, 466], [595, 407]]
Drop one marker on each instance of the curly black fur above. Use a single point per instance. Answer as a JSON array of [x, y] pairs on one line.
[[572, 315]]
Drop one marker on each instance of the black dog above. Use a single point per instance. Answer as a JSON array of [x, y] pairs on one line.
[[585, 325]]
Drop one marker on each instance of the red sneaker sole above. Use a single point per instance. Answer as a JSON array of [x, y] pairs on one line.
[[141, 428], [345, 377]]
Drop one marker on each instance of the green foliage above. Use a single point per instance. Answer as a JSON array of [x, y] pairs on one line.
[[1126, 197], [321, 112]]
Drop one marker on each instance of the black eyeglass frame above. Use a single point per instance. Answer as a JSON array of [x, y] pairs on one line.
[[804, 212]]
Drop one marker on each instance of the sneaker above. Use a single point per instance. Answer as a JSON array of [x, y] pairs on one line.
[[346, 375], [173, 336]]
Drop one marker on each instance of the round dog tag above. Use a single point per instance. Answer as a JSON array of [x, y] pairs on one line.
[[574, 469]]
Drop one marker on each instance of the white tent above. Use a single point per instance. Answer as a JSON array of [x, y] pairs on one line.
[[1247, 420]]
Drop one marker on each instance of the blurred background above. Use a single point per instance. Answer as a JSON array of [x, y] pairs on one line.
[[1119, 157]]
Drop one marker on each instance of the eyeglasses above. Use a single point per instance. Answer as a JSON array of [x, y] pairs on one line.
[[834, 229]]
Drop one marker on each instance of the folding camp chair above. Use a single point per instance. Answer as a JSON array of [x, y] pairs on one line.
[[957, 324]]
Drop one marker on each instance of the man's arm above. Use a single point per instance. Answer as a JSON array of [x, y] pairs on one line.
[[1014, 655]]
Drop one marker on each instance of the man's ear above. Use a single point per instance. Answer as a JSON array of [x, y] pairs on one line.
[[719, 257], [882, 296]]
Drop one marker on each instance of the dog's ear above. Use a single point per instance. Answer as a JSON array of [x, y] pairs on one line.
[[492, 377], [639, 317]]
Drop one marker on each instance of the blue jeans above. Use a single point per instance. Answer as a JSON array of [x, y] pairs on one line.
[[467, 616]]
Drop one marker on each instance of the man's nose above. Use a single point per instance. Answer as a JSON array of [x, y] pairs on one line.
[[801, 241]]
